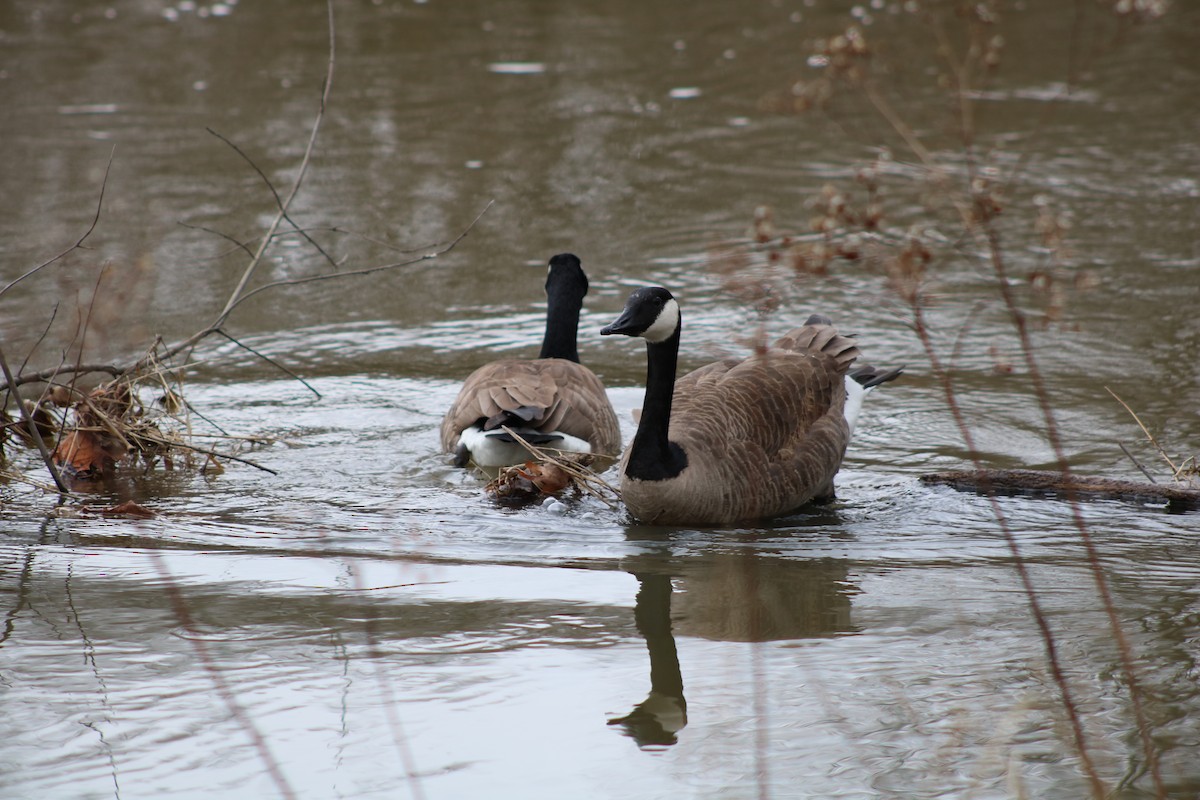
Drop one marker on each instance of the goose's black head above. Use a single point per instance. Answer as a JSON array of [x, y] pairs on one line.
[[651, 313], [566, 276]]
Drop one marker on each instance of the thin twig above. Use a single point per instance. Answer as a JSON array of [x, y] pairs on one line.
[[275, 194], [1145, 430], [79, 242], [87, 320], [236, 295], [1136, 463], [380, 242], [237, 245], [164, 442], [40, 339], [34, 433], [366, 270], [270, 361], [584, 477], [53, 372]]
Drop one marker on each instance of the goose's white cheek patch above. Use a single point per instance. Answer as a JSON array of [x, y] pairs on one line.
[[664, 325]]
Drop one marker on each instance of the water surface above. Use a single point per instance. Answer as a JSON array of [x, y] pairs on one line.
[[366, 622]]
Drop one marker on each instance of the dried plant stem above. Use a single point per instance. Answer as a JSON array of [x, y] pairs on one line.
[[977, 210], [206, 452], [1124, 651], [34, 433], [1145, 430], [585, 479], [1049, 642]]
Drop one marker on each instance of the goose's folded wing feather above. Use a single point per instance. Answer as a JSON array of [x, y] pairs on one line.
[[768, 401], [554, 394]]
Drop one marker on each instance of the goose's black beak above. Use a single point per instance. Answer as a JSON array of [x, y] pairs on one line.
[[622, 324]]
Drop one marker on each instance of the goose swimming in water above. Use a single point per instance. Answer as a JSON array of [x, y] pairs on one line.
[[552, 401], [738, 439]]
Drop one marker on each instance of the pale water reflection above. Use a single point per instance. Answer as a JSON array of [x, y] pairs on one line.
[[366, 623]]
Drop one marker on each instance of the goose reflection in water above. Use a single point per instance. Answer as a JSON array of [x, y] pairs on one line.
[[737, 596]]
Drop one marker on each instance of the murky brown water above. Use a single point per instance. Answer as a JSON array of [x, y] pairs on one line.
[[367, 624]]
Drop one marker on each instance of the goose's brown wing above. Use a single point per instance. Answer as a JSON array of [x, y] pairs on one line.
[[552, 393], [766, 434]]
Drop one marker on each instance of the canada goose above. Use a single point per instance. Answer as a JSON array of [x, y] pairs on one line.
[[738, 439], [553, 401]]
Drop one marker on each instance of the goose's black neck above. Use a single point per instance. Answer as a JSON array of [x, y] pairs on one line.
[[562, 326], [653, 457]]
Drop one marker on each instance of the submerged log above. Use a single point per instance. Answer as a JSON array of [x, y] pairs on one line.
[[1039, 483]]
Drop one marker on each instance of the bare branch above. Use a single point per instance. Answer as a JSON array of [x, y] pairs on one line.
[[236, 296], [275, 194], [270, 361], [34, 433], [366, 270], [1146, 431], [79, 243]]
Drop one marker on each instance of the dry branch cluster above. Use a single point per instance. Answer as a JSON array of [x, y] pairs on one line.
[[83, 434], [136, 420]]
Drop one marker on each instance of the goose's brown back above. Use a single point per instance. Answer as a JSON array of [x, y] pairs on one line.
[[567, 396], [763, 435]]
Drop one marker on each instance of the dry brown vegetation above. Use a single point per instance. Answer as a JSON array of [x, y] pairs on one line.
[[969, 214]]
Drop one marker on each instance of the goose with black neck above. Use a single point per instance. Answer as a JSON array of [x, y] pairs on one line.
[[552, 401], [738, 440]]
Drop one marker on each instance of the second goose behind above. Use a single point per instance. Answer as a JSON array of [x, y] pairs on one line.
[[552, 401]]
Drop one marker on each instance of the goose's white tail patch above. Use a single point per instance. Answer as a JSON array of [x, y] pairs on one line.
[[489, 451], [855, 394]]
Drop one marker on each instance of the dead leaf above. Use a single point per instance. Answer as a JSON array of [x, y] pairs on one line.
[[127, 509], [548, 478], [513, 487], [82, 456]]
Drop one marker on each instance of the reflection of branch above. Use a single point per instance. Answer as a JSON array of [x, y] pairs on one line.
[[377, 659], [79, 243], [22, 594], [183, 615]]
